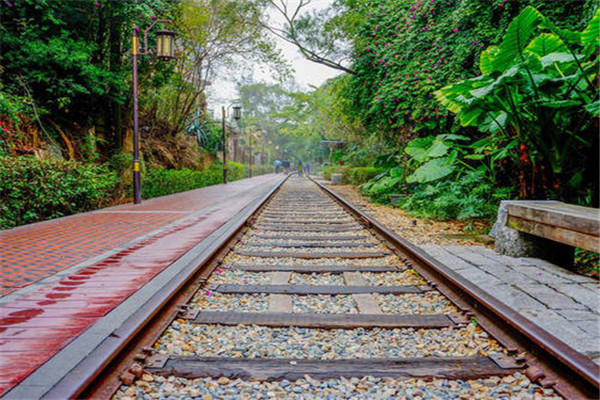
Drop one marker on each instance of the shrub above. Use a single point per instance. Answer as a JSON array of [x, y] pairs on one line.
[[345, 171], [360, 175], [34, 190], [471, 196], [161, 182]]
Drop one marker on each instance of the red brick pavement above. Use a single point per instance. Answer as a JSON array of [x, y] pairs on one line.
[[35, 326], [33, 252]]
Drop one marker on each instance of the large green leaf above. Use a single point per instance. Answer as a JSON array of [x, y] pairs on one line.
[[560, 58], [422, 149], [432, 170], [594, 108], [487, 58], [517, 35], [503, 79], [470, 116], [545, 44], [590, 37], [565, 35]]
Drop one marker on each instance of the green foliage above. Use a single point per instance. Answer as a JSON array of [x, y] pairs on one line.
[[34, 190], [536, 92], [471, 196], [359, 175], [404, 50], [63, 55], [344, 170], [161, 182]]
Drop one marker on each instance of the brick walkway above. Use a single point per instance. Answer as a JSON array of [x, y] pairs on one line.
[[561, 302], [32, 252], [66, 274]]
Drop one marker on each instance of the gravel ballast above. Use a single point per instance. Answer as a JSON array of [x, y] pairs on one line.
[[185, 338], [513, 387]]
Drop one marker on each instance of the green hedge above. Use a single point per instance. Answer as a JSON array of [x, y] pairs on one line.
[[360, 175], [327, 171], [161, 182], [352, 175], [33, 190]]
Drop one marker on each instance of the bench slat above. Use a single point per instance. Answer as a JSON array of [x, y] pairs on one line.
[[555, 215], [556, 233]]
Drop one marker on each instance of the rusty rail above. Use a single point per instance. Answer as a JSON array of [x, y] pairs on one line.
[[99, 375], [551, 362]]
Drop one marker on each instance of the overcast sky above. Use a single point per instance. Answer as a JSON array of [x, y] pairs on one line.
[[306, 73]]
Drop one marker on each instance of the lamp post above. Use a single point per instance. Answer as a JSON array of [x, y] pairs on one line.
[[250, 160], [165, 48], [237, 114], [250, 135]]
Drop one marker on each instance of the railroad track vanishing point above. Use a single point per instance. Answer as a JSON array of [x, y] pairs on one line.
[[314, 299]]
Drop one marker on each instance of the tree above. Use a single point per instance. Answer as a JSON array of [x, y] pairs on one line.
[[322, 36]]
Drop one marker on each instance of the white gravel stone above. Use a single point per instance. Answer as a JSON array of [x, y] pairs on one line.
[[324, 304], [211, 301], [408, 277], [185, 338], [426, 303], [367, 387], [317, 279], [240, 277], [233, 259]]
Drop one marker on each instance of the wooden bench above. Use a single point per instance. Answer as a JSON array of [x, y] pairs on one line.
[[547, 229]]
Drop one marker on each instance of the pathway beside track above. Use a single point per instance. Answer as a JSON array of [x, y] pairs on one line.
[[62, 276]]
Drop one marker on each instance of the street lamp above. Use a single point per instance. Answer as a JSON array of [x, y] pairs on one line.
[[165, 41], [237, 114], [256, 136]]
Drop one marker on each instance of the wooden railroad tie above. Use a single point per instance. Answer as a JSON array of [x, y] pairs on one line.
[[340, 254], [301, 228], [318, 289], [280, 221], [307, 237], [269, 369], [314, 268], [312, 244], [327, 321]]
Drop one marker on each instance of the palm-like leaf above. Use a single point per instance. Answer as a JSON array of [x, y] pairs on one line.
[[517, 35], [590, 37], [487, 58], [545, 44]]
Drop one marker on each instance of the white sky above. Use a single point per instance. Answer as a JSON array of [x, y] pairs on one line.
[[306, 73]]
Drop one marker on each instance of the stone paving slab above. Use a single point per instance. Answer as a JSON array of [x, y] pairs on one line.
[[64, 305], [563, 303]]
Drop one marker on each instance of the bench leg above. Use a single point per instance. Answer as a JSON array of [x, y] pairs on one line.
[[514, 243]]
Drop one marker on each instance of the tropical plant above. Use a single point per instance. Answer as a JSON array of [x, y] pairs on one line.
[[537, 94]]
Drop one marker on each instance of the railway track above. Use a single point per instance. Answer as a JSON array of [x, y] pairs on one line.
[[316, 300]]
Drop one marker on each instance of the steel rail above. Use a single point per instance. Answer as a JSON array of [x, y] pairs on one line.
[[551, 362], [98, 375]]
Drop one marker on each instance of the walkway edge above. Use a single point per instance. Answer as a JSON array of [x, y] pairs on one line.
[[65, 374]]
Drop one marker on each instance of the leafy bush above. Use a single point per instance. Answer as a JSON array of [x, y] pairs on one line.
[[471, 196], [386, 183], [345, 171], [406, 49], [541, 93], [360, 175], [161, 182], [34, 190]]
